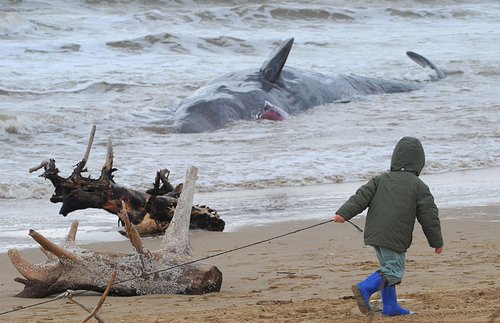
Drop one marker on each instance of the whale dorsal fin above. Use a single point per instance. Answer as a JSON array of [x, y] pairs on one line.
[[271, 69], [424, 62]]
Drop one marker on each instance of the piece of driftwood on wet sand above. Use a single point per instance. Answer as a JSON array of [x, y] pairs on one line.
[[150, 211], [168, 270]]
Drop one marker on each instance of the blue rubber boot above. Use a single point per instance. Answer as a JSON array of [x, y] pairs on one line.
[[362, 291], [390, 301]]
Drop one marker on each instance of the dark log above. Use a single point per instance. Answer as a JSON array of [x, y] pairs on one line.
[[152, 210], [168, 270]]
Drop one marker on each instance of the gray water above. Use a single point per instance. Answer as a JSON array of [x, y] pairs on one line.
[[125, 65]]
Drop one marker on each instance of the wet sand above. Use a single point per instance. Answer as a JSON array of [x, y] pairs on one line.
[[306, 276]]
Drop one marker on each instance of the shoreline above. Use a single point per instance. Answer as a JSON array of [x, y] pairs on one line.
[[304, 276], [242, 208]]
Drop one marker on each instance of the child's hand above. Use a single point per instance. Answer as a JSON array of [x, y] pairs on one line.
[[338, 218], [438, 250]]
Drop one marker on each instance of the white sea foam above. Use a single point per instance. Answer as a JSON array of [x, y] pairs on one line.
[[12, 24]]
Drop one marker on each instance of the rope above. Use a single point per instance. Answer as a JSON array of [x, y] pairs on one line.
[[19, 308], [231, 250]]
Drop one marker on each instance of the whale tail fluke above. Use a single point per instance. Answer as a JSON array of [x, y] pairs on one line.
[[424, 62]]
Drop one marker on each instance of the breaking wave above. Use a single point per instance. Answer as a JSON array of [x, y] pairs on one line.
[[311, 14], [165, 39], [73, 87], [33, 190], [412, 13], [12, 23], [184, 44], [19, 125]]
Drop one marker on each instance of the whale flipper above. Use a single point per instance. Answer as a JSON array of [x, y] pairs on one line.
[[424, 62], [271, 69]]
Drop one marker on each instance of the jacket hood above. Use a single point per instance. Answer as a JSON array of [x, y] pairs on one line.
[[408, 156]]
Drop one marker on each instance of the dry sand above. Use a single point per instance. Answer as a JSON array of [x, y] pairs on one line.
[[304, 277]]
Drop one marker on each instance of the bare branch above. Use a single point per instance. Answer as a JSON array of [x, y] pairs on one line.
[[43, 164], [46, 253], [102, 299], [132, 233], [108, 164], [176, 236], [52, 247], [27, 269], [163, 174], [109, 155], [89, 144], [70, 239], [69, 295], [81, 165]]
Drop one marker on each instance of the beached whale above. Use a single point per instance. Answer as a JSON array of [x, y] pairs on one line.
[[242, 95]]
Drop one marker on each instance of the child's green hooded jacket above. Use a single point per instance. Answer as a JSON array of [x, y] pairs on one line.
[[395, 199]]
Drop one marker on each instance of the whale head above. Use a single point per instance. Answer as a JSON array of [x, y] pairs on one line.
[[202, 113]]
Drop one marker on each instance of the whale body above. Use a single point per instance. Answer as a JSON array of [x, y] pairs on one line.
[[241, 95]]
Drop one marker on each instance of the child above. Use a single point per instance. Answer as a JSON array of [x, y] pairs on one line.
[[394, 200]]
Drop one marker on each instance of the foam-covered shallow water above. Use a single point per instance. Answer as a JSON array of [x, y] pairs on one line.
[[250, 207], [125, 65]]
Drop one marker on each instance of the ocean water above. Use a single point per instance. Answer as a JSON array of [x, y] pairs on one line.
[[125, 65]]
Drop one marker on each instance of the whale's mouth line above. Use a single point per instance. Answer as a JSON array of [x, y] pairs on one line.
[[271, 112]]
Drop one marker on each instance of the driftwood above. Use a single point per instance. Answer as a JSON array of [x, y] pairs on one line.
[[167, 270], [92, 313], [150, 211]]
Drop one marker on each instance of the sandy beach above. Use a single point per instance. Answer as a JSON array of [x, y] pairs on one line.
[[130, 68], [304, 277]]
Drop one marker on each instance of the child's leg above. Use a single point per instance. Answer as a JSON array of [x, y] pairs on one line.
[[392, 266], [362, 291], [390, 302]]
